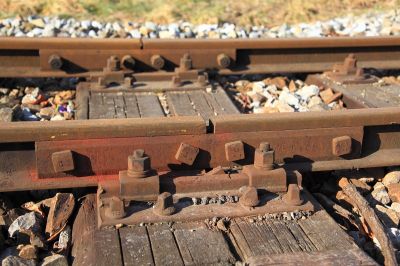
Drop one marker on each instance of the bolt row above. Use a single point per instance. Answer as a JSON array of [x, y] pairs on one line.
[[157, 61]]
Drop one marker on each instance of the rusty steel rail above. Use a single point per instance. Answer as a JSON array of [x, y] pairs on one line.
[[194, 125], [99, 149], [59, 57]]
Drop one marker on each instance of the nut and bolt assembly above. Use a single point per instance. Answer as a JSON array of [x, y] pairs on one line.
[[113, 63], [138, 164], [55, 62], [164, 205], [157, 61], [264, 157], [249, 197]]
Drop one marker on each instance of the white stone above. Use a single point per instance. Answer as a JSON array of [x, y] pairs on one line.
[[284, 107], [391, 178], [380, 194], [29, 221], [57, 118], [307, 92], [396, 207], [165, 34], [288, 98]]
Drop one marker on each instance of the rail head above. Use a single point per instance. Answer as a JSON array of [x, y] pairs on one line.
[[193, 125], [100, 128], [306, 120]]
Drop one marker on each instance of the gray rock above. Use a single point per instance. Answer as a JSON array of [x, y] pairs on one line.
[[17, 261], [27, 222], [55, 260], [6, 114], [396, 207]]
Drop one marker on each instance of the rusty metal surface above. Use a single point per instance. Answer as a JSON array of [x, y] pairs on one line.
[[186, 211], [103, 128], [25, 57], [100, 128], [285, 121], [109, 155]]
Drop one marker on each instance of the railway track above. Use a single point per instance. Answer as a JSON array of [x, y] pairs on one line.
[[167, 147]]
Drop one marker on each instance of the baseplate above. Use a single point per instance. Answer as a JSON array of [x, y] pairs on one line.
[[185, 210]]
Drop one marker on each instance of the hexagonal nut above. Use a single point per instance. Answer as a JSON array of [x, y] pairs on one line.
[[187, 153], [341, 145], [63, 161], [223, 60], [234, 151], [157, 61], [141, 164], [264, 159]]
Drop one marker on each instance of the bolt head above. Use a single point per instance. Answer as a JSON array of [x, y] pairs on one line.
[[249, 197], [55, 62], [264, 159], [187, 153], [341, 145], [63, 161], [223, 60], [264, 146], [113, 63], [128, 62], [116, 209], [234, 151], [165, 204], [141, 164], [293, 197], [157, 61]]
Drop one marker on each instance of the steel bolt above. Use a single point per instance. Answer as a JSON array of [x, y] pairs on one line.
[[128, 62], [185, 62], [116, 209], [264, 157], [187, 153], [234, 151], [223, 60], [176, 81], [138, 164], [341, 145], [157, 61], [128, 81], [202, 80], [292, 197], [249, 197], [164, 205], [55, 62], [113, 63], [63, 161]]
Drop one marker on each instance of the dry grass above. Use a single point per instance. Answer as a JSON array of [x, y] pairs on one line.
[[247, 12]]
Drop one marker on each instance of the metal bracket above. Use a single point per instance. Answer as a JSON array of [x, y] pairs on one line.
[[141, 195], [349, 72]]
